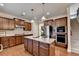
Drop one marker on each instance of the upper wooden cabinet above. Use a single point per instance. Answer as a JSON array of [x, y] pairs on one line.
[[27, 26], [61, 21], [49, 22], [6, 23], [11, 24], [19, 22]]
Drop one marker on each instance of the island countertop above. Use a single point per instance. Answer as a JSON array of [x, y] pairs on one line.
[[44, 40]]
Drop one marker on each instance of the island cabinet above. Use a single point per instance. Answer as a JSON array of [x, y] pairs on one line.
[[38, 48], [43, 48], [35, 48], [25, 44], [30, 43]]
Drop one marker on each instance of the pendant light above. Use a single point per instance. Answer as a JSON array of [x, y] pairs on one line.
[[43, 17], [32, 15]]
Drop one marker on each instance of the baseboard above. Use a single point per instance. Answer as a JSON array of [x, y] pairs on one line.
[[75, 50]]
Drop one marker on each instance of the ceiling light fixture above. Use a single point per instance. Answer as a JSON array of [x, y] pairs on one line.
[[32, 15], [23, 13], [1, 4], [48, 13], [43, 17]]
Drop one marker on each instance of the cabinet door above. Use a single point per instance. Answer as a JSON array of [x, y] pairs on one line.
[[18, 39], [11, 41], [44, 49], [28, 26], [5, 23], [11, 24], [25, 44], [35, 48], [61, 22], [30, 45], [5, 42], [19, 22], [22, 39], [1, 22]]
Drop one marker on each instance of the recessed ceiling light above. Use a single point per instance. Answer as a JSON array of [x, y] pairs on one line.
[[48, 13], [23, 14], [1, 4], [32, 21]]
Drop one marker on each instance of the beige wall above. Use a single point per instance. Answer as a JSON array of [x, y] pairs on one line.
[[75, 36]]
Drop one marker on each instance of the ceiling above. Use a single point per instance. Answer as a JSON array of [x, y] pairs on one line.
[[16, 9]]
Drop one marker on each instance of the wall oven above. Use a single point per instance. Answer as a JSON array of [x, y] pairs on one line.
[[61, 38], [61, 29]]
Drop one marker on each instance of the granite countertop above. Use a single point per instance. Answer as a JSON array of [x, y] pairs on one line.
[[44, 40]]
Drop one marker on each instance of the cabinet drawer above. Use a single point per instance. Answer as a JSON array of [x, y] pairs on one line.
[[43, 52], [44, 45]]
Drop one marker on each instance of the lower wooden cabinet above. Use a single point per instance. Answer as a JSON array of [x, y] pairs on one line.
[[25, 44], [43, 48], [35, 48], [38, 48], [18, 39], [5, 42], [30, 43], [12, 41]]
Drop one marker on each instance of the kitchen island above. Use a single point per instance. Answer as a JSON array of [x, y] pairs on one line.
[[39, 46]]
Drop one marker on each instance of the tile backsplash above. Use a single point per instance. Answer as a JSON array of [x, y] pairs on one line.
[[13, 32]]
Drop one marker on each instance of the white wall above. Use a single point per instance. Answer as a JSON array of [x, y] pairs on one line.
[[74, 27], [75, 36], [35, 29]]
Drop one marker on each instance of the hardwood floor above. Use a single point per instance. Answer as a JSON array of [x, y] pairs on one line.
[[15, 51], [19, 51]]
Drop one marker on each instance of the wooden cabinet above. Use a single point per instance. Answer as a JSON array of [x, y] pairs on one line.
[[5, 42], [12, 24], [30, 43], [25, 44], [19, 22], [6, 24], [43, 49], [28, 26], [49, 22], [38, 48], [35, 48], [1, 22], [18, 39], [11, 41], [61, 21]]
